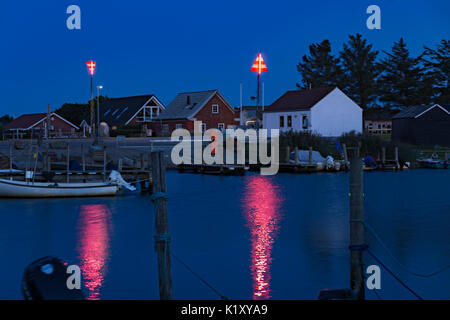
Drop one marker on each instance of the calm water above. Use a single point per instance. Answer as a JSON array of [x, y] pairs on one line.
[[253, 237]]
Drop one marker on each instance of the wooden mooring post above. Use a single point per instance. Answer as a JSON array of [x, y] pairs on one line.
[[162, 239], [357, 240], [68, 162], [344, 149]]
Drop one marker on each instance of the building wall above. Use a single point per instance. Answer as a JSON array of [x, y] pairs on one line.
[[57, 126], [212, 120], [271, 120], [336, 114], [226, 116], [432, 128], [331, 117]]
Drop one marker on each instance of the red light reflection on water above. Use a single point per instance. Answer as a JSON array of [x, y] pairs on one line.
[[261, 203], [93, 247]]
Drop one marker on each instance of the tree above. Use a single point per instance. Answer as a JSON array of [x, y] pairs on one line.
[[403, 81], [4, 120], [438, 63], [360, 70], [77, 112], [320, 68]]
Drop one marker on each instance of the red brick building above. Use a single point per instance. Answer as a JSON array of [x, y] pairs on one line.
[[209, 107], [37, 122]]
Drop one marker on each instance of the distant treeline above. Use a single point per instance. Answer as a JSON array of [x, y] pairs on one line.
[[394, 80]]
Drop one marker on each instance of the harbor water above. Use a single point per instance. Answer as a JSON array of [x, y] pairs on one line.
[[252, 237]]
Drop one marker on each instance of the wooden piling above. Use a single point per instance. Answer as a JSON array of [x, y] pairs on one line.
[[288, 151], [344, 149], [446, 156], [356, 226], [83, 158], [396, 157], [310, 155], [67, 162], [104, 165], [383, 155], [296, 155], [162, 244], [10, 157]]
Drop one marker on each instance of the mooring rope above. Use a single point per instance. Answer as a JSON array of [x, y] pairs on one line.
[[404, 267], [164, 237], [217, 292], [393, 275]]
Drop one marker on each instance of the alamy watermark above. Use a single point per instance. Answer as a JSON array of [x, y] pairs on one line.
[[223, 152], [374, 20], [74, 20]]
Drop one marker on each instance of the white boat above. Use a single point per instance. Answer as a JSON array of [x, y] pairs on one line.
[[29, 189]]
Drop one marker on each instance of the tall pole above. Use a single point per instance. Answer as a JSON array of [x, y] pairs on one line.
[[91, 103], [98, 112], [263, 96], [257, 92], [240, 103], [162, 239], [357, 241]]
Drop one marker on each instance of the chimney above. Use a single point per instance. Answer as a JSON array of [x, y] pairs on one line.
[[188, 100]]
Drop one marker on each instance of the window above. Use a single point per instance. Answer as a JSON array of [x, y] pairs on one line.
[[165, 128], [289, 121], [305, 122], [203, 127], [221, 126], [215, 108], [179, 126], [281, 121]]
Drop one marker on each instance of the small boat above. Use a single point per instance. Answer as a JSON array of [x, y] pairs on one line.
[[28, 189], [432, 163]]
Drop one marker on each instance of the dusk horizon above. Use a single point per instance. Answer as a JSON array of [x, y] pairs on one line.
[[164, 49]]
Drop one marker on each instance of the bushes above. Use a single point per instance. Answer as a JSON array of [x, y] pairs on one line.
[[127, 131], [370, 144]]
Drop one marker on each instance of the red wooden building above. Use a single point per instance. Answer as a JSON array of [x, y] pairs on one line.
[[209, 107], [37, 122]]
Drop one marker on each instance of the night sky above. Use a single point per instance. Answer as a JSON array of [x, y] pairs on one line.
[[166, 47]]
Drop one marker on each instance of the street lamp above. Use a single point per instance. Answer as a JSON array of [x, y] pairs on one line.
[[98, 110]]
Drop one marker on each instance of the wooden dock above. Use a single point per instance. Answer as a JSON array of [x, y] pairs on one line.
[[214, 169]]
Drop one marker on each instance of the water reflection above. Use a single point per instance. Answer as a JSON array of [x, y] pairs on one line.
[[262, 202], [93, 246]]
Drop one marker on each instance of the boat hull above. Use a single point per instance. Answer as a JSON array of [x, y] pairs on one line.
[[22, 189]]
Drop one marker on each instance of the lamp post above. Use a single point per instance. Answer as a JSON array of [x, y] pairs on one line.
[[98, 110], [259, 66], [91, 66]]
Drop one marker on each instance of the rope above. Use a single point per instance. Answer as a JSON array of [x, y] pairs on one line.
[[405, 268], [200, 278], [393, 275], [165, 237]]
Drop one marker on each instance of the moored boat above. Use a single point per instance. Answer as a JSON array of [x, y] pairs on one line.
[[29, 189]]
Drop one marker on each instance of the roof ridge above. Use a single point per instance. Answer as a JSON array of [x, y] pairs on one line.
[[201, 91]]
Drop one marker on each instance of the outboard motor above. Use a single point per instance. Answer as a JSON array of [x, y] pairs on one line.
[[46, 279]]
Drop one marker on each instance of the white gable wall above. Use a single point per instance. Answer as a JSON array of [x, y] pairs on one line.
[[271, 120], [336, 114]]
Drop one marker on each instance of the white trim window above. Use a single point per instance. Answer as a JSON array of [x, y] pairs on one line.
[[179, 126], [221, 126], [215, 108]]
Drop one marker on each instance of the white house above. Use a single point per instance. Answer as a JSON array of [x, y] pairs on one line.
[[326, 111]]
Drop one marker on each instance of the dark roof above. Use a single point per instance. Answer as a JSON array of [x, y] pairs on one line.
[[379, 114], [117, 111], [25, 121], [187, 104], [414, 111], [299, 99]]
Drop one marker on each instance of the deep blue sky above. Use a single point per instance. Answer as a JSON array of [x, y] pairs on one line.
[[165, 47]]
